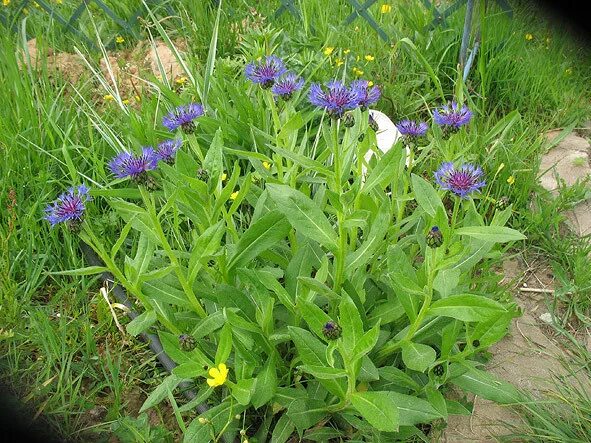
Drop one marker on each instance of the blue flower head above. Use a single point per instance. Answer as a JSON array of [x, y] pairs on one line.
[[462, 181], [265, 72], [287, 85], [336, 99], [129, 165], [183, 117], [452, 116], [367, 95], [412, 129], [167, 150], [68, 208]]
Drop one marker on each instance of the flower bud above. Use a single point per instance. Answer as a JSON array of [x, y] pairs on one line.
[[438, 370], [373, 124], [187, 342], [348, 120], [434, 237], [203, 420], [503, 203], [202, 174], [331, 330]]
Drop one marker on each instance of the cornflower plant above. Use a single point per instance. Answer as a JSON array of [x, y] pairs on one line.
[[297, 291]]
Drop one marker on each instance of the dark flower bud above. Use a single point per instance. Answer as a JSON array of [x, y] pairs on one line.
[[438, 370], [348, 120], [476, 343], [187, 342], [503, 203], [434, 237], [331, 330], [202, 174], [361, 137], [373, 124]]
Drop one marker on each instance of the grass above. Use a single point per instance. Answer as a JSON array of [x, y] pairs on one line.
[[59, 346]]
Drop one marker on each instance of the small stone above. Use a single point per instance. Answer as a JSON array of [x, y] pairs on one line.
[[546, 317]]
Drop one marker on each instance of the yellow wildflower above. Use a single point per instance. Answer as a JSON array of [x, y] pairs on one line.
[[108, 98], [339, 62], [358, 72], [181, 80], [385, 8], [59, 2], [218, 375], [267, 165], [529, 37], [125, 101], [119, 39], [511, 180], [346, 51], [369, 84], [224, 176], [138, 98], [568, 71], [6, 2], [234, 195], [369, 58], [328, 50]]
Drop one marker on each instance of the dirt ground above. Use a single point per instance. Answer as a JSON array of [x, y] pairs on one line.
[[528, 357]]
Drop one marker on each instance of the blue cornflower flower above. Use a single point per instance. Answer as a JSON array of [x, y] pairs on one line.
[[452, 116], [368, 95], [183, 117], [412, 129], [462, 181], [287, 85], [265, 73], [167, 150], [68, 208], [337, 99], [129, 165]]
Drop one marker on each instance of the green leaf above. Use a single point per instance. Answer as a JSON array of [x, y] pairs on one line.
[[242, 390], [266, 383], [260, 236], [306, 413], [161, 291], [378, 408], [206, 245], [161, 392], [417, 356], [141, 323], [425, 195], [224, 344], [314, 316], [138, 217], [213, 161], [351, 323], [323, 372], [466, 307], [209, 324], [494, 234], [413, 410], [189, 370], [488, 386], [493, 329], [446, 281], [282, 430], [89, 270], [385, 169], [367, 342], [304, 215], [374, 241], [313, 353], [218, 416]]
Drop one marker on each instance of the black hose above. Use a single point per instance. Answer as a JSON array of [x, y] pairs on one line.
[[152, 339]]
